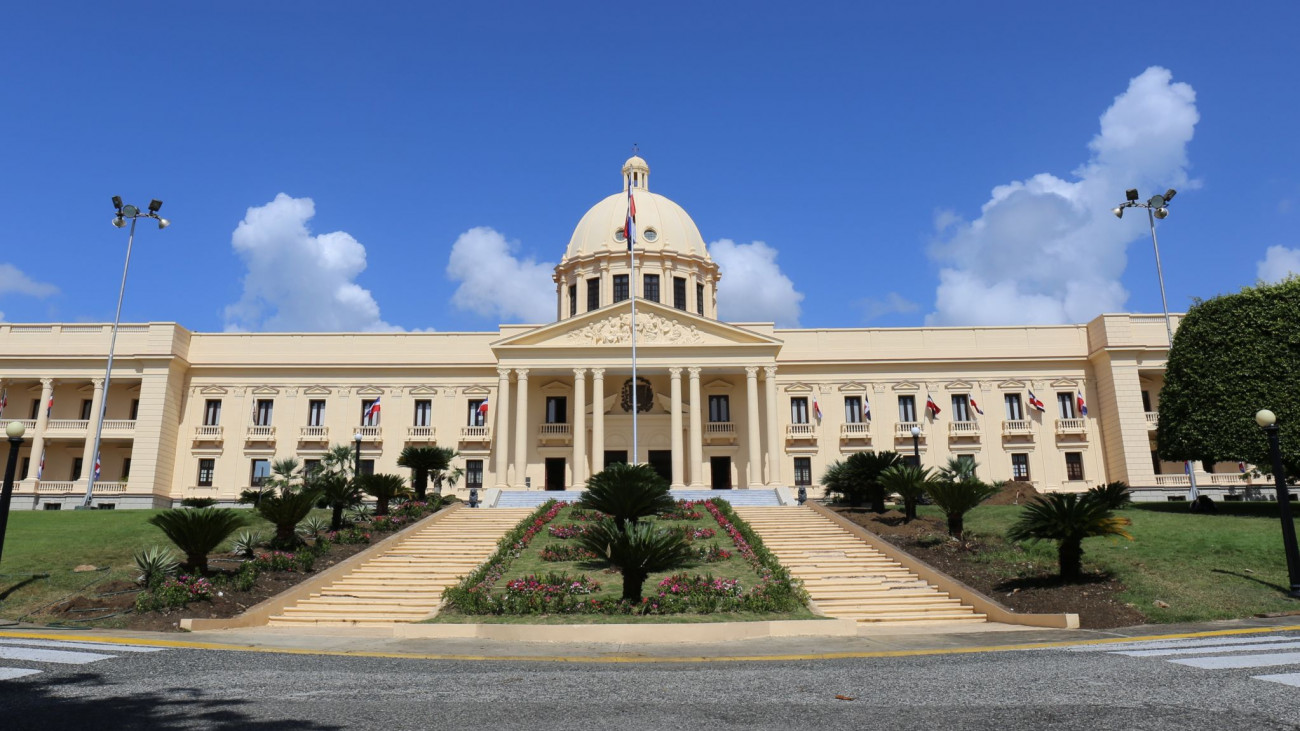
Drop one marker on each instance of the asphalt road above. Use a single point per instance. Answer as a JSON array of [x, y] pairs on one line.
[[103, 687]]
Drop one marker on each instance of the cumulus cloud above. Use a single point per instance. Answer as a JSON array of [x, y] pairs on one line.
[[1048, 250], [753, 288], [14, 281], [1279, 263], [495, 282], [296, 280], [892, 303]]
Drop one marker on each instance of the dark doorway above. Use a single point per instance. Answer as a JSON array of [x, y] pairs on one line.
[[615, 456], [555, 473], [721, 469], [661, 460]]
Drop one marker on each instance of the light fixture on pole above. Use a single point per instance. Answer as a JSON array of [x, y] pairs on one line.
[[15, 433], [1158, 207], [123, 213], [1267, 421], [356, 470], [916, 444]]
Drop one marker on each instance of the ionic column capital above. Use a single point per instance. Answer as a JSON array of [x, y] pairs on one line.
[[751, 371], [579, 372], [598, 373], [503, 373], [675, 373], [695, 372], [769, 371]]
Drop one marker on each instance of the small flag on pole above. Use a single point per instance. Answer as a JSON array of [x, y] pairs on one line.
[[1083, 407], [371, 412], [49, 406], [97, 466], [931, 406], [817, 409], [1034, 402], [40, 466], [483, 407], [629, 228], [866, 409], [4, 400], [975, 406]]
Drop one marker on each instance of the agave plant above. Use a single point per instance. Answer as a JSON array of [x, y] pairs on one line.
[[909, 482], [246, 543], [1068, 518], [155, 563], [637, 549], [956, 499], [383, 488], [313, 525], [198, 531], [627, 493]]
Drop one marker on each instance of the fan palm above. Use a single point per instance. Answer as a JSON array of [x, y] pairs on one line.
[[197, 532], [1113, 494], [383, 488], [956, 499], [285, 509], [637, 549], [627, 492], [857, 478], [340, 458], [1068, 518], [424, 462], [337, 492], [909, 482], [958, 470]]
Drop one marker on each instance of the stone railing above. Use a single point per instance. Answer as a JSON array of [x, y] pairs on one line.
[[261, 434], [420, 434], [119, 425], [963, 429], [1173, 481], [904, 428], [1071, 426], [475, 434], [368, 433], [1018, 428], [207, 433], [855, 430], [1230, 479], [67, 424], [1153, 419], [116, 486], [28, 424], [56, 486], [800, 431], [313, 433]]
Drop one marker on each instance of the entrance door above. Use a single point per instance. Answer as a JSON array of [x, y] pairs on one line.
[[555, 473], [721, 469], [661, 460], [615, 456]]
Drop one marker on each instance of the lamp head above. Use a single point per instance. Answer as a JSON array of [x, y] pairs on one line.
[[1131, 194], [129, 211], [117, 202], [357, 436], [1265, 418], [1118, 211], [1161, 212], [1169, 194], [916, 431], [154, 205], [163, 223], [119, 221], [15, 430]]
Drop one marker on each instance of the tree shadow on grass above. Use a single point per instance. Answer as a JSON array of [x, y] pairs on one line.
[[1285, 591], [5, 594], [47, 702]]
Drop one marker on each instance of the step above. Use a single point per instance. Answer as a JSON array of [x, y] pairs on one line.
[[921, 619]]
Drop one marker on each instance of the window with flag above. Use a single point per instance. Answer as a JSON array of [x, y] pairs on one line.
[[212, 412], [474, 473], [259, 472], [423, 412], [476, 415], [650, 286], [1014, 410], [1074, 465], [557, 409], [316, 412], [593, 294], [1065, 402], [620, 287], [961, 407], [719, 408], [85, 409], [699, 299], [1020, 467], [369, 414], [802, 471], [206, 468], [852, 409], [907, 409], [573, 300], [799, 410], [262, 412], [679, 292]]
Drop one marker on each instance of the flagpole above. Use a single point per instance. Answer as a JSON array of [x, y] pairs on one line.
[[631, 288]]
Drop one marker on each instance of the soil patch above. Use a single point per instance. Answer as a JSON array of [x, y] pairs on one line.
[[990, 566]]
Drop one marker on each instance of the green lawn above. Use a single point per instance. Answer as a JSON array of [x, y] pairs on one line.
[[1203, 566]]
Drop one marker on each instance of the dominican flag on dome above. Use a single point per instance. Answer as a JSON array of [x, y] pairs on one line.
[[629, 228], [817, 409], [1034, 402], [931, 406], [371, 412], [973, 405], [97, 465], [483, 407], [1078, 399]]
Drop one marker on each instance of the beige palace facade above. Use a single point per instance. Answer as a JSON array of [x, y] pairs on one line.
[[721, 405]]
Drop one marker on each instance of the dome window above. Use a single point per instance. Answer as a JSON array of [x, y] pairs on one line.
[[650, 234], [619, 236]]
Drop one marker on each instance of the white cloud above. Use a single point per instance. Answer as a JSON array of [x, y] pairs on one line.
[[496, 283], [13, 281], [753, 288], [1279, 263], [297, 281], [893, 302], [1048, 250]]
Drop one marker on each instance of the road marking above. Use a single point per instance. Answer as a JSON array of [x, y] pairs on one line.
[[1245, 661], [55, 656], [11, 673], [1211, 649], [1292, 679], [1163, 644], [106, 646]]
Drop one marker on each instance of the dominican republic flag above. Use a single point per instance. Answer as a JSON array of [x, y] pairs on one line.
[[1241, 467], [973, 405], [371, 412], [931, 406], [4, 400], [817, 409], [97, 465], [49, 407], [483, 407], [1034, 402], [1078, 400], [629, 228], [40, 466], [866, 409]]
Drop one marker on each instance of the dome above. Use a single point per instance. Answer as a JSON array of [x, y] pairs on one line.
[[661, 224]]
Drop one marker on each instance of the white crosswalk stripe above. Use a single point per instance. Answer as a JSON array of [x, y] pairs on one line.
[[1218, 653], [56, 652]]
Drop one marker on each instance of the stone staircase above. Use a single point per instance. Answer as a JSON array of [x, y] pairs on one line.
[[534, 498], [405, 582], [848, 578]]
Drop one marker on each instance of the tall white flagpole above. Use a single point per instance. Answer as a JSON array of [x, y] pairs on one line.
[[631, 288]]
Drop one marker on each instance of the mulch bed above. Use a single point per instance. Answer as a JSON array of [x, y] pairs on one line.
[[1035, 588]]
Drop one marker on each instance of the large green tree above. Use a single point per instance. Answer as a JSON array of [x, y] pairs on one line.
[[1232, 356]]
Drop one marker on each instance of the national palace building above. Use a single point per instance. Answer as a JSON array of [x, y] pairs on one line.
[[721, 404]]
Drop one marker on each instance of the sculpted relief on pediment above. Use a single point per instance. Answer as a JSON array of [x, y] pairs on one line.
[[650, 328]]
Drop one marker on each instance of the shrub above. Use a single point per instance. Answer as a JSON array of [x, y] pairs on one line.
[[198, 502], [174, 593], [711, 554], [301, 561], [383, 488], [313, 525], [637, 549], [197, 532], [338, 492], [627, 493], [155, 564], [909, 482], [349, 536], [956, 499], [856, 479], [565, 553], [566, 531], [246, 544], [1068, 518]]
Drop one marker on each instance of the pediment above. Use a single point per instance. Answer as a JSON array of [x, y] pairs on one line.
[[657, 325], [959, 386], [907, 386], [475, 391], [798, 388], [265, 391], [853, 387], [1012, 386], [424, 391], [556, 387], [370, 391], [1065, 383], [316, 391], [718, 384]]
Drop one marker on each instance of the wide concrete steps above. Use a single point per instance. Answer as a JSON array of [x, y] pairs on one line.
[[846, 577], [405, 583]]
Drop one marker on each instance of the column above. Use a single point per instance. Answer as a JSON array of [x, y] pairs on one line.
[[773, 429], [579, 427], [38, 440], [501, 440], [521, 426], [597, 420], [697, 436], [752, 441], [675, 426], [88, 452]]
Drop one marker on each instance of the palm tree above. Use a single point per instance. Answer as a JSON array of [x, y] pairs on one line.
[[637, 549], [909, 482], [340, 458], [284, 500], [958, 470], [1114, 494], [198, 531], [383, 488], [857, 478], [337, 493], [424, 462], [956, 499], [1068, 518], [627, 492]]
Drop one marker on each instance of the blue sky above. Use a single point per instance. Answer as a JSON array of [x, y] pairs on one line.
[[858, 143]]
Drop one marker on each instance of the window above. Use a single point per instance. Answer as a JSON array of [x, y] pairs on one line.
[[1156, 464], [852, 409], [206, 468], [262, 412], [367, 467], [907, 409], [799, 410], [135, 409], [1074, 465], [650, 287], [212, 412], [620, 287], [423, 412], [36, 409], [369, 417], [679, 292], [719, 409], [85, 409], [126, 468], [910, 459], [76, 469], [1014, 412], [309, 467], [1065, 402], [557, 410], [1146, 400], [699, 299], [316, 412], [593, 294], [261, 470], [52, 506], [573, 300], [27, 465], [477, 415], [1020, 467], [802, 471], [960, 407], [474, 473]]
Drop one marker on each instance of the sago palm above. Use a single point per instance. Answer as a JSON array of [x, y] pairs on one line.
[[285, 509], [423, 463], [637, 549], [958, 470], [909, 482], [1068, 518], [383, 488], [1113, 494], [337, 492], [857, 478], [956, 499], [627, 493], [198, 532]]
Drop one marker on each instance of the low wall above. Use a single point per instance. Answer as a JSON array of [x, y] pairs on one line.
[[636, 634]]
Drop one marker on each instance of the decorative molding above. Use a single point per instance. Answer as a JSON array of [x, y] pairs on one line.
[[958, 386], [1064, 383], [370, 391], [316, 391], [854, 387], [1012, 385], [907, 386], [265, 391], [556, 387], [423, 391], [799, 388], [475, 390], [719, 384], [650, 328]]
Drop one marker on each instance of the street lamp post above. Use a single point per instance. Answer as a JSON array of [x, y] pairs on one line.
[[1158, 207], [916, 444], [1268, 422], [123, 212], [356, 469], [15, 432]]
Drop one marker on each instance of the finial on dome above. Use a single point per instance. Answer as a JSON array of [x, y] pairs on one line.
[[636, 172]]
